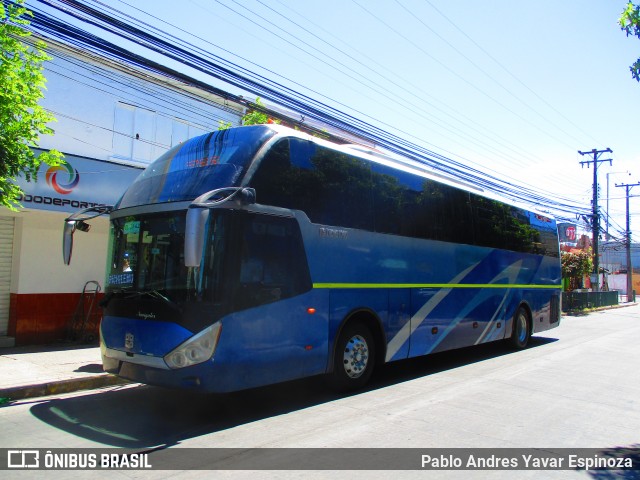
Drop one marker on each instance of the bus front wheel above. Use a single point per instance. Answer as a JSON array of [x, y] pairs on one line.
[[354, 358], [521, 331]]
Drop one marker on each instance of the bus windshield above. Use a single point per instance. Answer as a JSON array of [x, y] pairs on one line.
[[146, 254], [248, 260], [147, 257], [215, 160]]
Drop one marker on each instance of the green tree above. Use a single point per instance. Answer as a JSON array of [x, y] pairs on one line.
[[575, 266], [630, 23], [257, 116], [254, 116], [22, 120], [223, 125]]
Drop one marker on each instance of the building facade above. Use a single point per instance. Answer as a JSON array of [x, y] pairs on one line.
[[112, 120]]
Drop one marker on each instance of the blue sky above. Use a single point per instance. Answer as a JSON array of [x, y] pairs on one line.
[[513, 88]]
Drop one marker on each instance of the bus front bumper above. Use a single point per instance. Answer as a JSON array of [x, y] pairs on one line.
[[154, 371]]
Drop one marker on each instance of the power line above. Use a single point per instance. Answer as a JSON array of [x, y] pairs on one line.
[[478, 67], [402, 81], [508, 71], [333, 63], [97, 2], [280, 95], [460, 77]]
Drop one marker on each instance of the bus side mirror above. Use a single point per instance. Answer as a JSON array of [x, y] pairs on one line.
[[77, 222], [67, 241], [198, 216], [194, 236], [70, 226]]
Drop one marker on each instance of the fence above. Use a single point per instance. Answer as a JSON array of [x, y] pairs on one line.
[[581, 300]]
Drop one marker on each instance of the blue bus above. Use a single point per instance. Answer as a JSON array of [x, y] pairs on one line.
[[259, 254]]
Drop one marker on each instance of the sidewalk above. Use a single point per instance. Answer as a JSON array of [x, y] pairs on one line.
[[41, 370]]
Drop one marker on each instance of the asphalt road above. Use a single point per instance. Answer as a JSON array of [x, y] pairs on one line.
[[577, 386]]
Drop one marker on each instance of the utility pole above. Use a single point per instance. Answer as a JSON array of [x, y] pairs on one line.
[[607, 215], [596, 214], [629, 186]]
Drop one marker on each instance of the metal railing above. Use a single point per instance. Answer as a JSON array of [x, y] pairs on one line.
[[572, 301]]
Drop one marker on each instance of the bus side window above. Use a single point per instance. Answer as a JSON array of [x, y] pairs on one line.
[[323, 183], [273, 265]]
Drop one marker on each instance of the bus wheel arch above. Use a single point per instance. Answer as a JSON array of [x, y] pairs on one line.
[[522, 327], [358, 346]]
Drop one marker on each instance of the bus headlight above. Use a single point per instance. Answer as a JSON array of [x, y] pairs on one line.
[[197, 349]]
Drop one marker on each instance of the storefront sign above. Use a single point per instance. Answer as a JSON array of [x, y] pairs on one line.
[[567, 233], [79, 183]]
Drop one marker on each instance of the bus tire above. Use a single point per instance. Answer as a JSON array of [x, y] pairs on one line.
[[521, 330], [354, 358]]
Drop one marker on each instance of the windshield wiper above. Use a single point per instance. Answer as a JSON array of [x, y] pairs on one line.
[[133, 294], [110, 294], [158, 295]]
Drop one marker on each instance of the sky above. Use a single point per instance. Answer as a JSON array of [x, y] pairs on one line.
[[512, 88]]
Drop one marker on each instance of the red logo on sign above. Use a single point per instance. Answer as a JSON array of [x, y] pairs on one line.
[[570, 232]]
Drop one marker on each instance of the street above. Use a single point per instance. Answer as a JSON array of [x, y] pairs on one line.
[[576, 386]]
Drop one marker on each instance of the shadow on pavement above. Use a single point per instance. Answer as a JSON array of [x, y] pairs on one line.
[[622, 454], [153, 417], [90, 368]]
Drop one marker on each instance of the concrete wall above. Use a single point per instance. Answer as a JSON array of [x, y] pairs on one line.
[[45, 293], [37, 257], [619, 282]]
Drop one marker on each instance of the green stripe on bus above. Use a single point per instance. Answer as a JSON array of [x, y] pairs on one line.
[[433, 285]]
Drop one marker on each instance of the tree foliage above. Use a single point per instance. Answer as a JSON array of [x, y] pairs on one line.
[[255, 116], [575, 266], [22, 120], [630, 23]]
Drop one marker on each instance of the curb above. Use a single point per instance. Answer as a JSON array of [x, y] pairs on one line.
[[61, 386], [586, 311]]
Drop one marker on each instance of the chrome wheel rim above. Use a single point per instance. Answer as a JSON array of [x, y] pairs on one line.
[[356, 356], [522, 327]]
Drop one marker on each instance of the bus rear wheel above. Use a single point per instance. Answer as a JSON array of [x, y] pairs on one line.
[[521, 331], [354, 358]]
